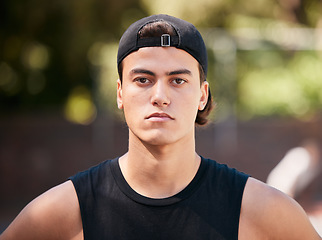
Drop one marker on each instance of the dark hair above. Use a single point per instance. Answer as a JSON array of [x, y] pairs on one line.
[[156, 29]]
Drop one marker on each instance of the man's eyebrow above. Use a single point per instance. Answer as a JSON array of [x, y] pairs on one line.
[[141, 70], [180, 71], [148, 72]]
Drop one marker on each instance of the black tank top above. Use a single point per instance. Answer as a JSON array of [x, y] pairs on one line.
[[208, 208]]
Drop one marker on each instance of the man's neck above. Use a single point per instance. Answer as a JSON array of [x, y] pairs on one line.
[[159, 171]]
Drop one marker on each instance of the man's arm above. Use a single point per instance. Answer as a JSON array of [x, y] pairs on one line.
[[53, 215], [270, 214]]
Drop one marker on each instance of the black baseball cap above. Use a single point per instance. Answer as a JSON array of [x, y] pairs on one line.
[[188, 39]]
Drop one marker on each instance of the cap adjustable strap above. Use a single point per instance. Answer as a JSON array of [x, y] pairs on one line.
[[164, 41]]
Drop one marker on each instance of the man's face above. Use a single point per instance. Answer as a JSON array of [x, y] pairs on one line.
[[160, 94]]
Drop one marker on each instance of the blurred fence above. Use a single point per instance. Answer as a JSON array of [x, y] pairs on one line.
[[38, 151]]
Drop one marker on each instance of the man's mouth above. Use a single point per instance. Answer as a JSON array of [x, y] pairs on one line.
[[159, 117]]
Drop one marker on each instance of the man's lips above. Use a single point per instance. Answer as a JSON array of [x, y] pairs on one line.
[[159, 116]]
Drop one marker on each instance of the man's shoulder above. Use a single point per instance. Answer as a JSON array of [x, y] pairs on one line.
[[98, 169], [270, 214], [224, 173], [53, 215]]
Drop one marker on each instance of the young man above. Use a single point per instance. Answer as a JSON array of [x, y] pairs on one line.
[[161, 188]]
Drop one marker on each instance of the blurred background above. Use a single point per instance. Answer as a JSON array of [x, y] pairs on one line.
[[58, 75]]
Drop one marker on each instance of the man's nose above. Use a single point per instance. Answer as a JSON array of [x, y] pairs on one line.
[[160, 94]]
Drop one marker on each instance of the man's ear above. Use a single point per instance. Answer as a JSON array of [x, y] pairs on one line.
[[204, 91], [119, 94]]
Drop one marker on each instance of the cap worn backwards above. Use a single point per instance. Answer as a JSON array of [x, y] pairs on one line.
[[189, 39]]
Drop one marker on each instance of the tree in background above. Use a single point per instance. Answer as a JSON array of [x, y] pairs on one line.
[[60, 55]]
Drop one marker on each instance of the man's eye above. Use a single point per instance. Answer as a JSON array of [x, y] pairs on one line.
[[178, 81], [142, 80]]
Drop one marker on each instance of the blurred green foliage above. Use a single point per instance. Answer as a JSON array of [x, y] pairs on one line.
[[55, 53], [279, 84]]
